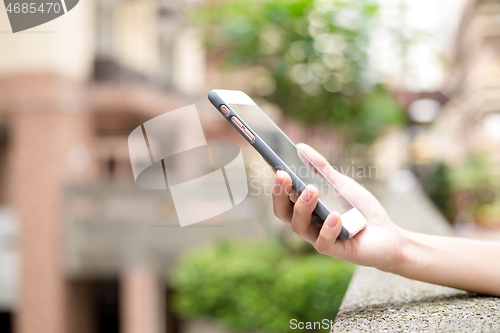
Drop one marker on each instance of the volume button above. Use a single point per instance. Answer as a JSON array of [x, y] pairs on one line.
[[237, 122], [242, 127], [249, 134]]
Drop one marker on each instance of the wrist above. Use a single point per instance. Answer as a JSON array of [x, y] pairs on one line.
[[404, 258]]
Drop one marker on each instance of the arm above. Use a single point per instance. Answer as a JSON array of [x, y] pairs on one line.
[[460, 263], [466, 264]]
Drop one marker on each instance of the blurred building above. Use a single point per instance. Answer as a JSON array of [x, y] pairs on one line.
[[470, 120], [82, 249]]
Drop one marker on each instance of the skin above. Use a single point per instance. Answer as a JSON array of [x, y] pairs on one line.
[[466, 264]]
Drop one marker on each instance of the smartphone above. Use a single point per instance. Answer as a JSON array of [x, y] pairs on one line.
[[281, 153]]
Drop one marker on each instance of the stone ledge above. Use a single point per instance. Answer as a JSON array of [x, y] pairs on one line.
[[383, 302]]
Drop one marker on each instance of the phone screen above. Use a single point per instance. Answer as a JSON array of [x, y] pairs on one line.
[[284, 147]]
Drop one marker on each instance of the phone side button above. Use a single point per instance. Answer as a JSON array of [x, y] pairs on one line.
[[237, 122], [242, 127], [224, 109], [249, 134]]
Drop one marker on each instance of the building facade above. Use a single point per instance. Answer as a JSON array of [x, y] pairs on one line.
[[71, 91]]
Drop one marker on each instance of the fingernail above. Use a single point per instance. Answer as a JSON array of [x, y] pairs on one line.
[[308, 193], [331, 220]]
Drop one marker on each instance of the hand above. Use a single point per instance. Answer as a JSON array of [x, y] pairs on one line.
[[379, 244], [449, 261]]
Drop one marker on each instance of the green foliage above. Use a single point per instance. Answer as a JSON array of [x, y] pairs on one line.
[[438, 185], [474, 174], [470, 188], [475, 183], [315, 55], [258, 286]]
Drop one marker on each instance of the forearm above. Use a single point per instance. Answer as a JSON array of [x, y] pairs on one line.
[[454, 262]]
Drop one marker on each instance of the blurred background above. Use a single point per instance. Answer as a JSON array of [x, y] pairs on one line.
[[401, 95]]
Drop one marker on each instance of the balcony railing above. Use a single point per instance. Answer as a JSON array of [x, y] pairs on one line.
[[111, 225]]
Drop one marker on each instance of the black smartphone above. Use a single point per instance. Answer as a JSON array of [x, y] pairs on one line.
[[279, 151]]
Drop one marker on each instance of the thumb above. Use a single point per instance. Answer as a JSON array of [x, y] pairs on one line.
[[325, 243]]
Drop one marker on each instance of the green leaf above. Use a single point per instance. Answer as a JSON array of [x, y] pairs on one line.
[[258, 286]]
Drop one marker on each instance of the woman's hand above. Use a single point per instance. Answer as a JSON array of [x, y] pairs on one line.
[[449, 261], [379, 244]]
